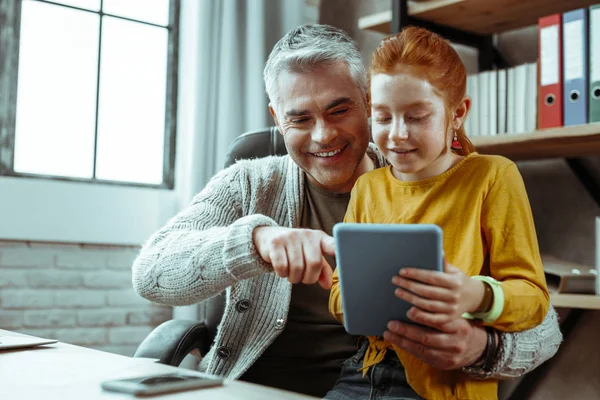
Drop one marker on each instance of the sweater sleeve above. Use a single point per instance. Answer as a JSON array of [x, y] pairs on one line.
[[521, 352], [514, 258], [204, 249]]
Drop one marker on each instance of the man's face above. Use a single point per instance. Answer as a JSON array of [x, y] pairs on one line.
[[322, 116]]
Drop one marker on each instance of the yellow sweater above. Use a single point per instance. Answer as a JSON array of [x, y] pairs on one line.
[[482, 206]]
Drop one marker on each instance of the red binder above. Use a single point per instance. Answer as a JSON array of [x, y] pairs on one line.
[[550, 72]]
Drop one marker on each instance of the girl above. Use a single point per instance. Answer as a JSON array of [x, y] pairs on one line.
[[435, 176]]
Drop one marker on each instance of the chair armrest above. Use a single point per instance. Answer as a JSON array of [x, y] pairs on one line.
[[172, 340]]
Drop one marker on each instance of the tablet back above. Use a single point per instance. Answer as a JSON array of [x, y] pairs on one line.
[[367, 257]]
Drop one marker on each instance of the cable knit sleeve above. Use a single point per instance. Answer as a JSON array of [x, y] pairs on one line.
[[522, 352], [204, 249]]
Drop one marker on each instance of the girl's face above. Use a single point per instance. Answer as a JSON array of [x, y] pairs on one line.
[[409, 126]]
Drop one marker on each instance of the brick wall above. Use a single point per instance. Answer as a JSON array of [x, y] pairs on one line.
[[79, 294]]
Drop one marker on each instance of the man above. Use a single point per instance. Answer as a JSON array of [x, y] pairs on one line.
[[263, 220]]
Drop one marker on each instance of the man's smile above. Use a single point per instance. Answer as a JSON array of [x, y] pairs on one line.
[[329, 153]]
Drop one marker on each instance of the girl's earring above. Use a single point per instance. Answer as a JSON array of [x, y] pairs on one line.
[[455, 143]]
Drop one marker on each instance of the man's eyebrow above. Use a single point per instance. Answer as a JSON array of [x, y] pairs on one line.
[[296, 113], [299, 113], [337, 102]]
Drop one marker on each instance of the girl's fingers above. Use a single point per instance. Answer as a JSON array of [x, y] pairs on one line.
[[434, 278], [451, 269], [433, 306], [426, 318], [426, 291]]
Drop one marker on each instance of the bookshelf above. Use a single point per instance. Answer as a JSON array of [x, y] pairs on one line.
[[483, 17], [487, 17], [571, 141]]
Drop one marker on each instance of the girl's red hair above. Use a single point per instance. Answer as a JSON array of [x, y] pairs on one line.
[[432, 58]]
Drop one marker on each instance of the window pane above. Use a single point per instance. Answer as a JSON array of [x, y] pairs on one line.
[[133, 81], [93, 5], [56, 100], [154, 11]]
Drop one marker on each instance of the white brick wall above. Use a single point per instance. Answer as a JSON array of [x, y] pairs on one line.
[[79, 294]]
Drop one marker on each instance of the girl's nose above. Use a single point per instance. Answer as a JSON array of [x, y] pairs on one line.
[[399, 131]]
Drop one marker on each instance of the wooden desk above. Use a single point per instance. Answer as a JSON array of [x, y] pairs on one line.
[[67, 372]]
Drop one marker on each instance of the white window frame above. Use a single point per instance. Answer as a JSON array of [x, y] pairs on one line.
[[72, 210]]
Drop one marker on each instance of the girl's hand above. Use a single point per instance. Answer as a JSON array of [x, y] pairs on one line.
[[445, 295]]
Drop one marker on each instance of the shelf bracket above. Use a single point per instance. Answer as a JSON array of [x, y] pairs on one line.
[[488, 55], [499, 59], [399, 15], [582, 172]]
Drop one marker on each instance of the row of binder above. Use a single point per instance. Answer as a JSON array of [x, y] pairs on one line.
[[569, 68], [503, 101]]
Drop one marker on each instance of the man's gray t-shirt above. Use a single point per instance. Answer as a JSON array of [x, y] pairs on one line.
[[307, 356]]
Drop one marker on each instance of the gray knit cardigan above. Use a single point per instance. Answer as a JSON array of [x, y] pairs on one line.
[[208, 248]]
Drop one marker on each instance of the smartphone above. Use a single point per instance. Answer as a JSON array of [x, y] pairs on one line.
[[164, 383]]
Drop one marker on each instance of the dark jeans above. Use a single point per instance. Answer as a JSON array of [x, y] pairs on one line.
[[384, 381]]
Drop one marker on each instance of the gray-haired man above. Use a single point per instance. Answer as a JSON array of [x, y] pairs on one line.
[[263, 220]]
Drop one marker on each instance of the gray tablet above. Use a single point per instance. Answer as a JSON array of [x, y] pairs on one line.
[[367, 257]]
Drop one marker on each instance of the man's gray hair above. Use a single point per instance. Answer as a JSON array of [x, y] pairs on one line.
[[309, 46]]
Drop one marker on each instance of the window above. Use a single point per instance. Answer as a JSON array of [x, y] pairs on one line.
[[88, 90], [88, 94]]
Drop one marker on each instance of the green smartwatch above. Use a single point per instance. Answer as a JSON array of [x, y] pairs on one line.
[[497, 305]]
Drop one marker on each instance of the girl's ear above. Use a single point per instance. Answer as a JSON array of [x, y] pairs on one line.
[[461, 112]]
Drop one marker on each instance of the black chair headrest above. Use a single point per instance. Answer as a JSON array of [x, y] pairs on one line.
[[256, 144]]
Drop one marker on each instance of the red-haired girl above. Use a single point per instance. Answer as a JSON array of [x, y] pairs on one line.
[[493, 271]]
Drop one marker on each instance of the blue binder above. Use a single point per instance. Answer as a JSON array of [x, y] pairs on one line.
[[575, 70]]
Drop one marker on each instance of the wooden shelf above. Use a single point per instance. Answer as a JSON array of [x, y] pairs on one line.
[[566, 275], [477, 16], [572, 141], [587, 301]]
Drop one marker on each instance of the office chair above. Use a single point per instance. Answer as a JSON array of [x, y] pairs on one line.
[[171, 341]]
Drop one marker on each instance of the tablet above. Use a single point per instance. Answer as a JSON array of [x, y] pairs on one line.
[[18, 342], [367, 257]]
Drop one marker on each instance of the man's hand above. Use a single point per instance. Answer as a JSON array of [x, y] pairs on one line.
[[296, 254], [453, 345]]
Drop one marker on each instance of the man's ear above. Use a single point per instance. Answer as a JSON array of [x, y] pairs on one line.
[[274, 115], [368, 104], [461, 112]]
